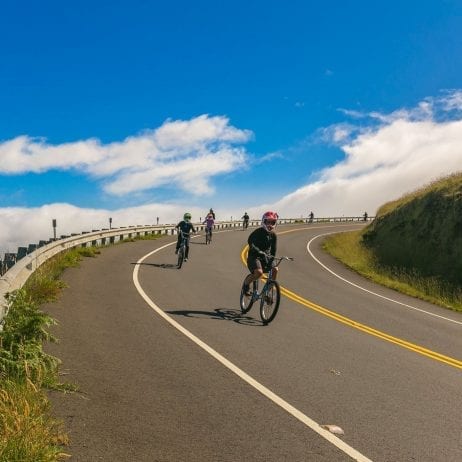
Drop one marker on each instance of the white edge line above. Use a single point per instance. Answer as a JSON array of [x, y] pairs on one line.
[[353, 453], [369, 291]]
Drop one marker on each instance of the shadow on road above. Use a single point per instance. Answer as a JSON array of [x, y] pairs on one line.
[[224, 314], [160, 265]]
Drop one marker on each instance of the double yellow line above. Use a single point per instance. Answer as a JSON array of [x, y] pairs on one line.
[[364, 328]]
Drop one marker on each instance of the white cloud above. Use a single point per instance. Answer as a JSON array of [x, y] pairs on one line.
[[204, 147], [407, 149]]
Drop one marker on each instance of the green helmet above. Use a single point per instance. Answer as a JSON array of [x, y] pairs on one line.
[[187, 216]]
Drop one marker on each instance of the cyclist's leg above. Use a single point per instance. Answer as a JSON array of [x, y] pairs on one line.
[[256, 270], [186, 254], [178, 242]]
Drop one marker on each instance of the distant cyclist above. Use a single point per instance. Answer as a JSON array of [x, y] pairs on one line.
[[245, 217], [262, 247], [209, 222], [186, 227], [212, 213]]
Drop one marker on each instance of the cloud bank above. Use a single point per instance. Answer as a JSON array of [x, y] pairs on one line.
[[202, 147], [395, 154]]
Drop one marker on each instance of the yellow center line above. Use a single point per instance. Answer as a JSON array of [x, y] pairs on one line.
[[362, 327]]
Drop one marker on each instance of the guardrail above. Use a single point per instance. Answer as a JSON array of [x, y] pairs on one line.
[[22, 264]]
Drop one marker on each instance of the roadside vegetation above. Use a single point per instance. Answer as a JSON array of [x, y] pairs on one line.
[[414, 244], [28, 431]]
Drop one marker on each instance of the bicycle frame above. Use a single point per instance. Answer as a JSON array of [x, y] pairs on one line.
[[269, 278], [184, 238], [208, 235], [182, 248], [269, 295]]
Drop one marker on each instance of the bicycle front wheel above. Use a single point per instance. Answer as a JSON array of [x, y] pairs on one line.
[[270, 300], [180, 256], [247, 300]]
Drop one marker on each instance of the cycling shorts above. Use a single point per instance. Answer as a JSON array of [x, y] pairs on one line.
[[255, 262]]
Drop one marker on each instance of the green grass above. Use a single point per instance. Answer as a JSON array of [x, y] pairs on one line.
[[27, 432], [349, 249]]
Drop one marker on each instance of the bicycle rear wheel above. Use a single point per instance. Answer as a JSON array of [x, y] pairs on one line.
[[247, 300], [207, 237], [270, 300], [180, 256]]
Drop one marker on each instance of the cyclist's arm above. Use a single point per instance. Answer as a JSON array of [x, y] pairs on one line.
[[257, 252], [274, 244]]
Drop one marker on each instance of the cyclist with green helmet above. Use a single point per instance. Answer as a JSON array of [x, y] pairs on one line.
[[185, 226]]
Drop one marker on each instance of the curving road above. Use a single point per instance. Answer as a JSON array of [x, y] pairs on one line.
[[169, 370]]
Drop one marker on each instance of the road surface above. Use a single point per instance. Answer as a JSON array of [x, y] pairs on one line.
[[169, 370]]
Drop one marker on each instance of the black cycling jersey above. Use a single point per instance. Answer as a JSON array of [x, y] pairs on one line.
[[186, 226], [262, 240]]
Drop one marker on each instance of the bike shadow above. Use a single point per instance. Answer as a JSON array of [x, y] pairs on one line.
[[160, 265], [220, 314]]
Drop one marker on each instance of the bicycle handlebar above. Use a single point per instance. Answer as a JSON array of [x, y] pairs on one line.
[[279, 259]]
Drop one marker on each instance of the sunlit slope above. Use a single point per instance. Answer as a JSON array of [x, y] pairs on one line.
[[422, 231]]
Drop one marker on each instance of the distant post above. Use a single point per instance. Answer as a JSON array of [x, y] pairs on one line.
[[53, 222], [157, 220], [110, 223]]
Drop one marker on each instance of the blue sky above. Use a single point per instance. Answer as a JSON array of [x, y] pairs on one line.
[[141, 108]]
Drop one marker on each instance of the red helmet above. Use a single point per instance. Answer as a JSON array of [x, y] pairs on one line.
[[269, 220]]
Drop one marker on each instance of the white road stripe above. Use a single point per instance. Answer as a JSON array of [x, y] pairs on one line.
[[353, 453], [369, 291]]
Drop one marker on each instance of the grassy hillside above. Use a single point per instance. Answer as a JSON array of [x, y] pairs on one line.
[[415, 241], [422, 231]]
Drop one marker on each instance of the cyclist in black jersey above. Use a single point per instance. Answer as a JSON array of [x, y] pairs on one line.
[[262, 247], [245, 217], [186, 227]]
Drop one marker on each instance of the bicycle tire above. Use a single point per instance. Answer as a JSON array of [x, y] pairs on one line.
[[180, 256], [207, 237], [269, 304], [246, 301]]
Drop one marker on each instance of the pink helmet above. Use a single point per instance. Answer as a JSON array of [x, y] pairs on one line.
[[269, 220]]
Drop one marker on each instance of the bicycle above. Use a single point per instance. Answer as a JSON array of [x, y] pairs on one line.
[[208, 235], [182, 248], [269, 296]]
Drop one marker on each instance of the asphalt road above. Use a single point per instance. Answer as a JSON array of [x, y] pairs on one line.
[[342, 351]]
